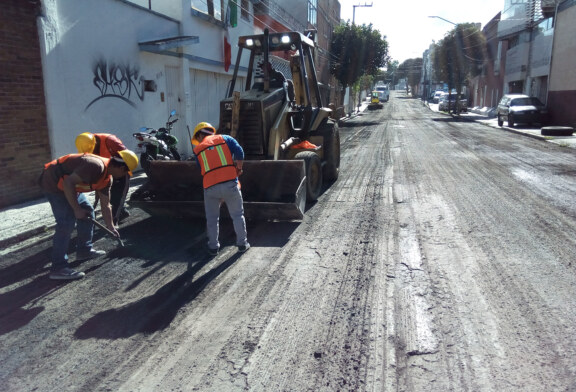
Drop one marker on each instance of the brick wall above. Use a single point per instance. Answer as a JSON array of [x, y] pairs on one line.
[[24, 142]]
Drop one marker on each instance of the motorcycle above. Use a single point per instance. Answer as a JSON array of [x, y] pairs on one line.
[[157, 144]]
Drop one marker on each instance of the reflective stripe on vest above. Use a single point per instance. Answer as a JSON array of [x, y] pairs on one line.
[[102, 182], [216, 162]]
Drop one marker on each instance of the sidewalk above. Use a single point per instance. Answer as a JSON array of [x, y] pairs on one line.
[[565, 141]]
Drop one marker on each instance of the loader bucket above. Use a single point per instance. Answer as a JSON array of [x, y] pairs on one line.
[[272, 190]]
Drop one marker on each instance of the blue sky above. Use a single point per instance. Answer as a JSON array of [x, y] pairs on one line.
[[406, 23]]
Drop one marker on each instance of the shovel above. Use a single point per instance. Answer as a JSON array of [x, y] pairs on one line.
[[107, 230]]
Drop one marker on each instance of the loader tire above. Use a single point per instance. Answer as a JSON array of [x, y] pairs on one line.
[[331, 154], [313, 169]]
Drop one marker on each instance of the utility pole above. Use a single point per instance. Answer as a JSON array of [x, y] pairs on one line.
[[353, 22]]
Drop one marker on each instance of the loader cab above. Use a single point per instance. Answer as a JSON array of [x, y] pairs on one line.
[[275, 103]]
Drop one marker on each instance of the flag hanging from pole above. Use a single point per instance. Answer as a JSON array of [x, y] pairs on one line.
[[230, 13], [227, 50]]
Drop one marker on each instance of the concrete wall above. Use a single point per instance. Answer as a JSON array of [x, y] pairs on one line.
[[71, 66], [95, 70], [562, 90], [24, 143]]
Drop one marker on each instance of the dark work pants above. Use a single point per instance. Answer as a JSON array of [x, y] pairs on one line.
[[118, 192]]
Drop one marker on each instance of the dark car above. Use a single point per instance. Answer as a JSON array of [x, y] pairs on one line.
[[447, 102], [521, 109]]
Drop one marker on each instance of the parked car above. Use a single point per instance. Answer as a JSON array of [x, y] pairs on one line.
[[521, 109], [444, 105], [436, 96]]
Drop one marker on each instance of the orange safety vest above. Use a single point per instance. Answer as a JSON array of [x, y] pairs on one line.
[[102, 182], [216, 161], [102, 149]]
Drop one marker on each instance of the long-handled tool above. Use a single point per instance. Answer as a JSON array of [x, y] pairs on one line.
[[107, 230]]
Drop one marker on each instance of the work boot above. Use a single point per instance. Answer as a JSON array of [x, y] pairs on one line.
[[66, 274], [90, 254], [124, 213], [243, 248]]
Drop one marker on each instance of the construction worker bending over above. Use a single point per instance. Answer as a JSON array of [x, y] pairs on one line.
[[64, 182], [107, 145], [220, 158]]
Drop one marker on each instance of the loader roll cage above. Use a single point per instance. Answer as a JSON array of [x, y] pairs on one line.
[[288, 42]]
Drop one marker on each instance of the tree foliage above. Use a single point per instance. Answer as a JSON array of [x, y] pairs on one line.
[[459, 56], [356, 51], [391, 71], [411, 70]]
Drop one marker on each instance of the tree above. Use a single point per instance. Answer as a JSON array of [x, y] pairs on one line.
[[391, 72], [411, 70], [459, 56], [356, 51]]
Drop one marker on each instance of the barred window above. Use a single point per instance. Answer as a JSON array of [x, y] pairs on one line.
[[312, 11], [214, 8]]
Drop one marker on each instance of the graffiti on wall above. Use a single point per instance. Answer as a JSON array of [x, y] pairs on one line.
[[117, 81]]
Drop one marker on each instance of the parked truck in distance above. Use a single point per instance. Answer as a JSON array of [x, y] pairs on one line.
[[383, 92]]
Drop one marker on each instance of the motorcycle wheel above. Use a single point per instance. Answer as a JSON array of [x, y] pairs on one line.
[[175, 154], [145, 159]]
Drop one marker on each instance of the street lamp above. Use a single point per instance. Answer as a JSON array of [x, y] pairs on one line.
[[354, 10], [445, 20], [353, 22]]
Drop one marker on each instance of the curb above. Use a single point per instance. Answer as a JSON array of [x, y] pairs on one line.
[[513, 130]]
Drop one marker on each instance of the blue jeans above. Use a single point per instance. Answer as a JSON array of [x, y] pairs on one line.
[[65, 222], [229, 193]]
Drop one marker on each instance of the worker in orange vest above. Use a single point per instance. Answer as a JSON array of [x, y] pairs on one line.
[[220, 158], [64, 182], [107, 145]]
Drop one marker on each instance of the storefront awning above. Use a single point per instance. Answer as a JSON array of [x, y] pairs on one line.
[[162, 45]]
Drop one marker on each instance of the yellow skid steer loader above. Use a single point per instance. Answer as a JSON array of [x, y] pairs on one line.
[[291, 144]]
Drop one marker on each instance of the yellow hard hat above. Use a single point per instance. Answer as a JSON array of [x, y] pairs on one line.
[[85, 143], [130, 159], [205, 128]]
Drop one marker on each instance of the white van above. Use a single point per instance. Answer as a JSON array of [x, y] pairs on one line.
[[383, 92]]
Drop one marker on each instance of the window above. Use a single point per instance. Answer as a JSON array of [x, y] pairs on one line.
[[513, 42], [245, 13], [214, 8], [546, 28], [312, 11]]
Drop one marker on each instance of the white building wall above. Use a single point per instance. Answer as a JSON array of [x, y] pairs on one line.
[[563, 70], [94, 68]]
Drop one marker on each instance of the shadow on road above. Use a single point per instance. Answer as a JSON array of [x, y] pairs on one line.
[[359, 123], [155, 312]]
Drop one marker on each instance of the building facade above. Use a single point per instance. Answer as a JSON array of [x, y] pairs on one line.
[[24, 136], [528, 32], [486, 89], [115, 66], [562, 88]]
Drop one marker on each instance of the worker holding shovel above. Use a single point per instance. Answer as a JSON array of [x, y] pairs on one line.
[[107, 145], [64, 182], [220, 158]]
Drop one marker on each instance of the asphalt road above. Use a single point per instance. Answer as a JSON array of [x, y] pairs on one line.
[[441, 260]]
